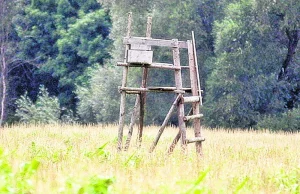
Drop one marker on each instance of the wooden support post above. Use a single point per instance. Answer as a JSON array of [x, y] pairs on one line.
[[144, 85], [123, 93], [178, 83], [162, 128], [195, 92]]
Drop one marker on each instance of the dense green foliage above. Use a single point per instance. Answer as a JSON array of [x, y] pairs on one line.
[[99, 102], [44, 110], [63, 38], [248, 54]]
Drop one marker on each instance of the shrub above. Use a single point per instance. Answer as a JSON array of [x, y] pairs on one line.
[[288, 121], [45, 110]]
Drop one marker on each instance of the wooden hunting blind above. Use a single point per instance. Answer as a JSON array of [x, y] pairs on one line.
[[138, 53]]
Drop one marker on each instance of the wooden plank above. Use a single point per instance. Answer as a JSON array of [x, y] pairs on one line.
[[154, 89], [143, 57], [141, 47], [153, 42], [164, 66], [163, 126], [195, 92], [153, 65], [196, 139], [191, 117], [123, 94], [191, 99]]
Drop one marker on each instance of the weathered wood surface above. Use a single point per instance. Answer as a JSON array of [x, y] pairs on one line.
[[174, 142], [154, 89], [195, 92], [144, 85], [153, 65], [137, 56], [140, 47], [163, 126], [153, 42], [196, 66], [191, 117], [132, 122], [178, 83], [124, 83], [196, 139], [191, 99]]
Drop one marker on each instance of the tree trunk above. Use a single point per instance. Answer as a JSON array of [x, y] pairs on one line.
[[293, 39], [3, 85]]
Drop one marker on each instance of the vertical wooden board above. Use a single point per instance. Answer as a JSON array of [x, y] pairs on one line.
[[137, 56]]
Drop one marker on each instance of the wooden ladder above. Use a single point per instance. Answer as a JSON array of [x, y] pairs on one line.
[[195, 99]]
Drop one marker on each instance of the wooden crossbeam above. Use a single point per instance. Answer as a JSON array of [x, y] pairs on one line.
[[154, 42], [155, 89], [153, 65]]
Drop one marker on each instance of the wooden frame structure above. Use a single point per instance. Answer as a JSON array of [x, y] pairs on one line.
[[138, 53]]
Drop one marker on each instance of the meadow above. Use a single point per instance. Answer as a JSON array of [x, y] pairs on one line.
[[84, 159]]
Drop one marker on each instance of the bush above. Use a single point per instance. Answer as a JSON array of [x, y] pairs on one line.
[[45, 110], [288, 121]]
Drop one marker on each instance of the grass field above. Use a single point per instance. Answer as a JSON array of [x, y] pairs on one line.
[[84, 159]]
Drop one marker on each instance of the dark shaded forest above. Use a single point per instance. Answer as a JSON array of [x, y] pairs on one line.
[[58, 59]]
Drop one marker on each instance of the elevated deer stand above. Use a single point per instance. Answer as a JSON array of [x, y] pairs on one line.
[[138, 53]]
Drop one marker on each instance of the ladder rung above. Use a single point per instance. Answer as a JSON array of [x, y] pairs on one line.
[[196, 139], [155, 89], [187, 118], [153, 65], [191, 99]]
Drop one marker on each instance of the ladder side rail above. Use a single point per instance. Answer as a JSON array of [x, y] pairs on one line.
[[195, 92]]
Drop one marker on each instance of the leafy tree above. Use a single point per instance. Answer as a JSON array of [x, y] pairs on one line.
[[64, 38], [249, 54], [241, 85], [10, 63]]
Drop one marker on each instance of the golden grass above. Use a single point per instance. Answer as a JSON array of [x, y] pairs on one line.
[[239, 161]]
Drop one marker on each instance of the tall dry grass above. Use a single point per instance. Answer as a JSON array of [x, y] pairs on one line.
[[233, 161]]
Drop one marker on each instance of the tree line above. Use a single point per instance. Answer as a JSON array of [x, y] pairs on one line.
[[58, 59]]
